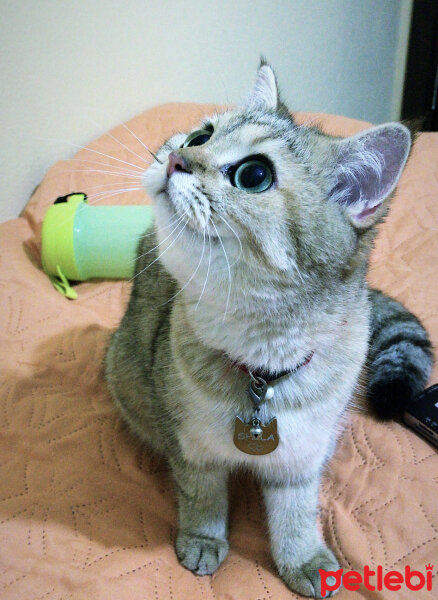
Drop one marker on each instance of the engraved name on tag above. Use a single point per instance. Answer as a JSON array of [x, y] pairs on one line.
[[255, 437]]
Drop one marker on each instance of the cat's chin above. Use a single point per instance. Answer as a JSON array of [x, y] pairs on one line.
[[169, 211]]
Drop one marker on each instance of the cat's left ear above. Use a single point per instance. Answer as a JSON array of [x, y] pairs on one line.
[[367, 169], [264, 94]]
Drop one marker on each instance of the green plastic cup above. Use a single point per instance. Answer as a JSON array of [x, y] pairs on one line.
[[81, 242]]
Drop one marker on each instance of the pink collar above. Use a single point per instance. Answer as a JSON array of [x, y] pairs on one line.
[[270, 376]]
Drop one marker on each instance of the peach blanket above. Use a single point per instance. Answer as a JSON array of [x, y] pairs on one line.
[[86, 513]]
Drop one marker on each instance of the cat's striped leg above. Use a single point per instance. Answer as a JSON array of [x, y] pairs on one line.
[[202, 493]]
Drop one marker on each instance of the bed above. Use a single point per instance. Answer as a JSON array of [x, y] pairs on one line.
[[86, 512]]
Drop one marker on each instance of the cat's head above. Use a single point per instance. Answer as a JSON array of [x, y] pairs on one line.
[[270, 195]]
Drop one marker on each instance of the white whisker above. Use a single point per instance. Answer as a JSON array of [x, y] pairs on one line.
[[119, 173], [142, 143], [113, 137], [109, 194], [162, 241], [117, 190], [138, 170], [208, 272], [160, 255], [193, 274], [238, 239], [112, 183], [93, 199], [229, 271], [91, 150], [162, 228]]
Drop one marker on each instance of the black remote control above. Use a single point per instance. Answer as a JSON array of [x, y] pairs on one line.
[[422, 414]]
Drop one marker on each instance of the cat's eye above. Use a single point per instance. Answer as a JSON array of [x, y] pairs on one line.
[[253, 176], [197, 138]]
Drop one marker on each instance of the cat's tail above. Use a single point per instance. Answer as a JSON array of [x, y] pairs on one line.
[[400, 357]]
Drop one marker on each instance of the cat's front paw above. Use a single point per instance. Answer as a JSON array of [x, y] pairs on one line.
[[306, 580], [200, 555]]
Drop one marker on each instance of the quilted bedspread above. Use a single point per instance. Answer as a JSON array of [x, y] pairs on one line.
[[88, 514]]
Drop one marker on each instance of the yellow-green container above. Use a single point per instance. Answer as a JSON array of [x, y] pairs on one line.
[[81, 241]]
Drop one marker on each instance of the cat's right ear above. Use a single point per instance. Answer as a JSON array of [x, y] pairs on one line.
[[264, 94]]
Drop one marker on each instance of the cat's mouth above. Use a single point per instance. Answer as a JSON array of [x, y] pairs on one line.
[[187, 201]]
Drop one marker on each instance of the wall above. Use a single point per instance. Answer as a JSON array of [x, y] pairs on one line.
[[70, 70]]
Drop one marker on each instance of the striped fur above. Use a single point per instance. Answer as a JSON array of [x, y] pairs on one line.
[[400, 357]]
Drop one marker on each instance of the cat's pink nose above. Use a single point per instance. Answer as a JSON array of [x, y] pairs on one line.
[[176, 163]]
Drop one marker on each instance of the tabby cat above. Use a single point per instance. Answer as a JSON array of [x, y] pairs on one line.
[[252, 289]]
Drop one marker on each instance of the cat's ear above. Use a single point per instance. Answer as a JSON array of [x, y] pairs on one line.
[[366, 170], [264, 94]]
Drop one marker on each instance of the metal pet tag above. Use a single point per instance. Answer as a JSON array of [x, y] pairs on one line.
[[254, 437]]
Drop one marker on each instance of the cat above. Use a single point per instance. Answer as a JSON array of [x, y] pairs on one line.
[[255, 273]]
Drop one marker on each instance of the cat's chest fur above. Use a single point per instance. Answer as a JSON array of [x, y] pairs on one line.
[[307, 403], [306, 435]]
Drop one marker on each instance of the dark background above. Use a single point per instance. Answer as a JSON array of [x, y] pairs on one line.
[[420, 96]]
